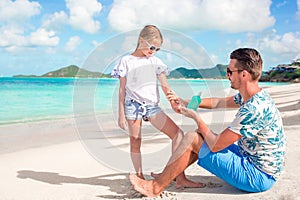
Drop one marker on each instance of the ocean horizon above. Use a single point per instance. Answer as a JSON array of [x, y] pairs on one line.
[[37, 99]]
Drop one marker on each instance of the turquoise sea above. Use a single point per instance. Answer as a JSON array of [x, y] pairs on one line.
[[35, 99]]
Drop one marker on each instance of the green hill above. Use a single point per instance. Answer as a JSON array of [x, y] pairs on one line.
[[70, 71], [280, 73], [218, 71], [74, 71]]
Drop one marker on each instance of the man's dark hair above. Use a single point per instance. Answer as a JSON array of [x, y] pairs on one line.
[[248, 59]]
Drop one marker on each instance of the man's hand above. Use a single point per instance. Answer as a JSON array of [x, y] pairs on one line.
[[188, 112]]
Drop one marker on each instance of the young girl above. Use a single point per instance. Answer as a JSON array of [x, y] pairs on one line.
[[139, 73]]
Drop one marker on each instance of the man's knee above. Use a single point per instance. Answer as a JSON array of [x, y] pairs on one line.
[[190, 139], [190, 134], [179, 135]]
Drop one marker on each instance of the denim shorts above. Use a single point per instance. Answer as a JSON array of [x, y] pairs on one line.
[[234, 169], [135, 110]]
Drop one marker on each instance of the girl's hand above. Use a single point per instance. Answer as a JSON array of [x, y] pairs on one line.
[[172, 96], [122, 122], [174, 101], [175, 106]]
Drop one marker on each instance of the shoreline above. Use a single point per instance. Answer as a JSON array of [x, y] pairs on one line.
[[184, 78], [70, 113], [53, 159]]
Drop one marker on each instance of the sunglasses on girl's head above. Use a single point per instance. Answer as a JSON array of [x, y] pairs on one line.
[[152, 47], [231, 71]]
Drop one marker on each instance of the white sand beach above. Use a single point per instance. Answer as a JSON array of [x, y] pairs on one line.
[[58, 160]]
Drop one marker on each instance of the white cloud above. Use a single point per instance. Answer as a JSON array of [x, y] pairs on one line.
[[298, 11], [297, 57], [73, 43], [274, 46], [41, 37], [13, 38], [18, 11], [82, 14], [16, 33], [280, 4], [95, 43], [226, 15], [288, 43], [56, 20], [15, 28]]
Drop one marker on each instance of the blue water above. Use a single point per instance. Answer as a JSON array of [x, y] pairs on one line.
[[35, 99]]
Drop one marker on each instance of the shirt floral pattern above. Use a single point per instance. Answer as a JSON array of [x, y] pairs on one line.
[[259, 123]]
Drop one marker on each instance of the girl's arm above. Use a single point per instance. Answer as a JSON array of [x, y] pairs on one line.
[[167, 89], [164, 83], [122, 120]]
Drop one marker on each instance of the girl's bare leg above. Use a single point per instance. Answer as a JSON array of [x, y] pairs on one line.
[[134, 127], [164, 123], [179, 161]]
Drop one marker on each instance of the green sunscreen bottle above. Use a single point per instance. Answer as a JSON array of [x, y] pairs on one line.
[[195, 102]]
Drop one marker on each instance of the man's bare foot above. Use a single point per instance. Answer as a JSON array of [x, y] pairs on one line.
[[143, 186], [185, 183], [157, 175], [182, 181]]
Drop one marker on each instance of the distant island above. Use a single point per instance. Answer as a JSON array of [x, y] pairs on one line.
[[280, 73], [74, 71], [283, 73], [68, 72]]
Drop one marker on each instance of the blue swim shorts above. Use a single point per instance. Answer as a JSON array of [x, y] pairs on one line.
[[135, 110], [234, 169]]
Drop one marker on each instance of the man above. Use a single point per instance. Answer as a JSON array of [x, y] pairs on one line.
[[249, 154]]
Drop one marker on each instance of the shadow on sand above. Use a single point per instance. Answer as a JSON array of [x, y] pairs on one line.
[[120, 184]]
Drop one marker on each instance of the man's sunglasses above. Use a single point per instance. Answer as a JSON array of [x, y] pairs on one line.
[[152, 47], [229, 72]]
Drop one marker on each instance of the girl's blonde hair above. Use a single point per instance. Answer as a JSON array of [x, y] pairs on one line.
[[150, 33]]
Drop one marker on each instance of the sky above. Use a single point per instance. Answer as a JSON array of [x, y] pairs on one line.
[[44, 35]]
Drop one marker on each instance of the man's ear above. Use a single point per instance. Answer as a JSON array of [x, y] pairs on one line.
[[244, 73]]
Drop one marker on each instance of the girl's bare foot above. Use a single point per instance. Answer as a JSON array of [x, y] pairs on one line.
[[140, 175]]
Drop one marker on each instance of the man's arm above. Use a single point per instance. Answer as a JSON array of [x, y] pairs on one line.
[[214, 141], [211, 103]]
